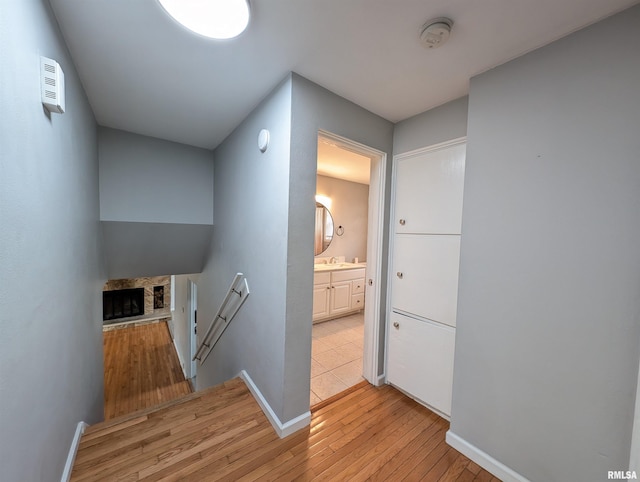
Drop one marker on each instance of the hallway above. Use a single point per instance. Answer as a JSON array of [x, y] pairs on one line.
[[370, 433], [141, 369]]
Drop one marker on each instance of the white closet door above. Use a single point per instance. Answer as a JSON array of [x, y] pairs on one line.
[[425, 276], [429, 191], [421, 360]]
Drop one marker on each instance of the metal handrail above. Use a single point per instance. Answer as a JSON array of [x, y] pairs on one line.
[[222, 319]]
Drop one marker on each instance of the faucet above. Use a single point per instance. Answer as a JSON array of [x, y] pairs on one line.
[[333, 260]]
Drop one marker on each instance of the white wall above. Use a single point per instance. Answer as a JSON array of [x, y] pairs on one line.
[[350, 209], [143, 179], [51, 276], [547, 348]]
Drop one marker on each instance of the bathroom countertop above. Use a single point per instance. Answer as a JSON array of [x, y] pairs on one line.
[[337, 266]]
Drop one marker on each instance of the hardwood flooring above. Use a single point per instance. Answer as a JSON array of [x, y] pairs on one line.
[[368, 433], [141, 369]]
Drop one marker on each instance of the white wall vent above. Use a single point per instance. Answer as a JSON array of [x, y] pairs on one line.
[[51, 85]]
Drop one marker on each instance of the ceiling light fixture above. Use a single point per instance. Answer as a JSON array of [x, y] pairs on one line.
[[218, 19], [435, 32]]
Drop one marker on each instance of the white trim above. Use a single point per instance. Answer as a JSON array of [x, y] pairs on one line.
[[381, 380], [191, 322], [423, 150], [379, 161], [282, 429], [183, 364], [483, 459], [73, 450]]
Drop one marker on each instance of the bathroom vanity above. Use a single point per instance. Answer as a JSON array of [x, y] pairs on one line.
[[338, 290]]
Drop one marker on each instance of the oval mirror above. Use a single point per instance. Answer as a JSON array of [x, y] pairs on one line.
[[324, 229]]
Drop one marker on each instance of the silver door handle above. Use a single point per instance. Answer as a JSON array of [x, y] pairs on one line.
[[396, 325], [400, 275], [403, 222]]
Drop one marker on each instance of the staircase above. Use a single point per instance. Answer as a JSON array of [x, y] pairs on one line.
[[175, 440]]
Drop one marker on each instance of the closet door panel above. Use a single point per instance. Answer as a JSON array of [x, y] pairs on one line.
[[425, 276], [421, 360], [429, 190]]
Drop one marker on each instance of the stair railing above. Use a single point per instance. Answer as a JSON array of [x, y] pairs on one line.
[[233, 300]]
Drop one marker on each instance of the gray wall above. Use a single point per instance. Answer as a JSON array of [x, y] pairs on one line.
[[143, 179], [135, 250], [250, 236], [350, 209], [156, 204], [51, 278], [314, 108], [449, 121], [547, 346], [264, 208]]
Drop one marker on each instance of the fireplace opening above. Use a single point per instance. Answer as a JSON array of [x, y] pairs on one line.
[[158, 297], [122, 303]]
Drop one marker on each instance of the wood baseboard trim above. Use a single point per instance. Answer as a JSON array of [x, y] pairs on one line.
[[483, 459], [73, 450], [282, 429], [338, 396]]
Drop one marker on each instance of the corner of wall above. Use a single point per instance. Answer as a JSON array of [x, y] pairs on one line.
[[282, 429]]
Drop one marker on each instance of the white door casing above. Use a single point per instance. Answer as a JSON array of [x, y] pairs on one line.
[[375, 236]]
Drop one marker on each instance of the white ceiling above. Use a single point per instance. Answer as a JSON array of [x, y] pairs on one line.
[[335, 161], [146, 74]]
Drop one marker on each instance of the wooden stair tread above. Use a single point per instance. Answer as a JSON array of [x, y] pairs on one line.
[[140, 414]]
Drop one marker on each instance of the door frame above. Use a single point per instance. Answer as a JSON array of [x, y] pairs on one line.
[[192, 313], [375, 238]]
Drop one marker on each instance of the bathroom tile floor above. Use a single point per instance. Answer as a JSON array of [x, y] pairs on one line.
[[336, 356]]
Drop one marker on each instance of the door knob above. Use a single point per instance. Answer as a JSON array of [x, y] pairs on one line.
[[396, 325], [399, 274], [403, 222], [370, 282]]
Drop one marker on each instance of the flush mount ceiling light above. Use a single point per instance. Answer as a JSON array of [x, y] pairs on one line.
[[218, 19], [435, 32]]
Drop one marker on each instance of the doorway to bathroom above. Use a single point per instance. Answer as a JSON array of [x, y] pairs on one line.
[[347, 266]]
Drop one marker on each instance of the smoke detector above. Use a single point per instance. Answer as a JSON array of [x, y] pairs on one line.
[[435, 32]]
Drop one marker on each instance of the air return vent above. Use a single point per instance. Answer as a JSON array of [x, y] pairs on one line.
[[51, 85]]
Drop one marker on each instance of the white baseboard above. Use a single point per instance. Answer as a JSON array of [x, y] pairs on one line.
[[483, 459], [183, 364], [73, 450], [282, 429]]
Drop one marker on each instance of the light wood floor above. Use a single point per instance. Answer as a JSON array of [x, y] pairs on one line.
[[141, 369], [221, 434]]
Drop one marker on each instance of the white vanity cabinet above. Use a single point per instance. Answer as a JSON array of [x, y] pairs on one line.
[[428, 191], [321, 295], [337, 292]]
